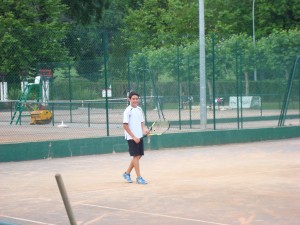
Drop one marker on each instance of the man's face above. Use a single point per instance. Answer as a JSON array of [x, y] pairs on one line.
[[134, 101]]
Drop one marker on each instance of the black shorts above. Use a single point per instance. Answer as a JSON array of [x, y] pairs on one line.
[[136, 149]]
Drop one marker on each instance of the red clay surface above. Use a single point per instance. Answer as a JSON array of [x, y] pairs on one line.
[[79, 127], [237, 184]]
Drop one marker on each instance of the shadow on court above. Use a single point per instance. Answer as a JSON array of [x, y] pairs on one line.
[[236, 184]]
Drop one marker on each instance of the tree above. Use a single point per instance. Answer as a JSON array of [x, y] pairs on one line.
[[30, 32], [234, 16], [238, 55], [159, 23], [86, 49], [86, 45], [277, 53], [228, 17], [87, 11], [276, 15]]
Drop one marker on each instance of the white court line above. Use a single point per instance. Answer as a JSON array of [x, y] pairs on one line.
[[34, 199], [21, 219], [153, 214], [275, 170], [237, 175], [84, 193]]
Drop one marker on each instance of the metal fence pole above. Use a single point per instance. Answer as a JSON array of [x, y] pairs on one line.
[[189, 92], [179, 91], [237, 85], [105, 75], [145, 92], [214, 80], [241, 86], [70, 91], [89, 114]]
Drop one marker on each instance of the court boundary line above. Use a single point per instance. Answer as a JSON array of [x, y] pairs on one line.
[[153, 214], [246, 174], [23, 219]]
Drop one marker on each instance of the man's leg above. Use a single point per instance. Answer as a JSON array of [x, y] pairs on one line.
[[130, 167], [136, 164]]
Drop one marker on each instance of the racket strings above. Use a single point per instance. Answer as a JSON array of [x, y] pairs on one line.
[[160, 127]]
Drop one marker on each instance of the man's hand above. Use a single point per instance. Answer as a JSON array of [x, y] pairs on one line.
[[136, 140], [145, 130]]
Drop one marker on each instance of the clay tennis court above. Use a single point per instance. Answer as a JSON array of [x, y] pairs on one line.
[[79, 128], [248, 183]]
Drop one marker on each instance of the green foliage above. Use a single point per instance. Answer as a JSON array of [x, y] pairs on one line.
[[272, 56], [87, 11], [31, 31], [14, 92], [78, 89], [90, 69], [278, 51], [276, 16], [158, 40], [159, 23], [228, 17], [228, 51]]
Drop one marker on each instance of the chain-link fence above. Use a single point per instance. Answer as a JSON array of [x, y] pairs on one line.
[[83, 77]]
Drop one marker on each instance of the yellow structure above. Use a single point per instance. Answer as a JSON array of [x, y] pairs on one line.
[[40, 117]]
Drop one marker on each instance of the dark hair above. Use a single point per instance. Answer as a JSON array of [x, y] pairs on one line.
[[132, 93]]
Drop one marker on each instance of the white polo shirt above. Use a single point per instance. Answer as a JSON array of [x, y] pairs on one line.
[[134, 117]]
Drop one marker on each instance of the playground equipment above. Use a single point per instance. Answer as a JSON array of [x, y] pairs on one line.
[[41, 85], [40, 117]]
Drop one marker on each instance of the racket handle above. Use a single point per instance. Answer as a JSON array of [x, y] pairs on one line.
[[146, 135]]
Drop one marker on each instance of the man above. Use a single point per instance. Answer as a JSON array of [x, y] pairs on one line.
[[135, 129]]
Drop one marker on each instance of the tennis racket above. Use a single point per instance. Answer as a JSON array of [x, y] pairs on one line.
[[157, 128]]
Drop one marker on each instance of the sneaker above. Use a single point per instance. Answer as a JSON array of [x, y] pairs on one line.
[[140, 180], [127, 177]]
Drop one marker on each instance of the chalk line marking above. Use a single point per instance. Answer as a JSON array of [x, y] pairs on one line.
[[22, 219], [275, 170], [93, 220], [36, 199], [153, 214], [234, 176]]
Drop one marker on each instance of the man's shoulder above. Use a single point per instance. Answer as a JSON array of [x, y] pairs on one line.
[[128, 108], [135, 108]]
